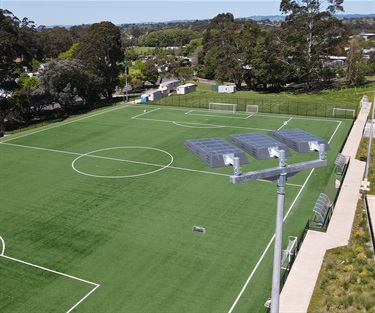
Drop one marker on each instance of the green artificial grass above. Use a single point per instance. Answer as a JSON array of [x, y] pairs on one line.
[[110, 198]]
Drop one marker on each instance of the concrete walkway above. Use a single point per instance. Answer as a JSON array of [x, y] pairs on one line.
[[296, 294]]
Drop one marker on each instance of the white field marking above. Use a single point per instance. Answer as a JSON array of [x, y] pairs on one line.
[[297, 117], [144, 113], [335, 132], [162, 167], [268, 246], [129, 161], [3, 246], [285, 124], [84, 298], [61, 274], [186, 124], [249, 116], [220, 116], [107, 158], [73, 120], [223, 126], [187, 113]]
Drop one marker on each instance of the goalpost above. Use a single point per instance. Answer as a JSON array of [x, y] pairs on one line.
[[252, 108], [289, 253], [339, 112], [222, 107]]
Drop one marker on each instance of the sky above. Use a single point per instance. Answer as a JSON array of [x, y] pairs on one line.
[[69, 12]]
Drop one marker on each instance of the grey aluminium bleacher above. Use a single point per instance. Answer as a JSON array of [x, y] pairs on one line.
[[298, 139], [212, 151], [258, 145]]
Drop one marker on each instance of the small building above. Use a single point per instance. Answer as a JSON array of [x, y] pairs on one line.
[[226, 89], [154, 95], [184, 89], [170, 85]]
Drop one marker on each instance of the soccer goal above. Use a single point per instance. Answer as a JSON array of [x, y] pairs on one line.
[[222, 107], [344, 113], [289, 254], [252, 108]]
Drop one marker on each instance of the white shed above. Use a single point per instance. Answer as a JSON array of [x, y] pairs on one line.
[[170, 85], [226, 89], [154, 95], [184, 89]]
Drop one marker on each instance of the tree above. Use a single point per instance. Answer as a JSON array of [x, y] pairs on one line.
[[151, 72], [136, 78], [66, 80], [355, 63], [185, 73], [311, 31], [55, 41], [231, 45], [13, 57], [270, 64], [100, 51]]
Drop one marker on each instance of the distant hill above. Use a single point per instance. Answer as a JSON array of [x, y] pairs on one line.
[[254, 17]]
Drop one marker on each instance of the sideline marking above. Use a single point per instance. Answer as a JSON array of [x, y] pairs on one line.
[[73, 120], [54, 272], [268, 246], [329, 141]]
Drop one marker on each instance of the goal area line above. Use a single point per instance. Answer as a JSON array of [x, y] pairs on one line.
[[95, 285]]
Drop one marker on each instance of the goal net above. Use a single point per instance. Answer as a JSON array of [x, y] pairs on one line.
[[343, 113], [290, 252], [252, 108], [222, 107]]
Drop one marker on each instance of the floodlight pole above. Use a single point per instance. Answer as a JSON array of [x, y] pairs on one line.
[[280, 175], [126, 76], [366, 183]]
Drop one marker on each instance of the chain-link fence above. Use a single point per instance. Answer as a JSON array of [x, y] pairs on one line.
[[264, 106]]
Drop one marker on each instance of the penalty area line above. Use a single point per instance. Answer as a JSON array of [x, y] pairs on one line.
[[96, 286]]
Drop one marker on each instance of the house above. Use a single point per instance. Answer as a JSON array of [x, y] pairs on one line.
[[184, 89]]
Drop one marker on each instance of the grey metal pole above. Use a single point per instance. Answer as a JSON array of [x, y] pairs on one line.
[[275, 297], [126, 77], [370, 141]]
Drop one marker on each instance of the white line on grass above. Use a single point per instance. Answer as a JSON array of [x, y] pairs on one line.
[[58, 273], [124, 160], [285, 123], [144, 113], [223, 126], [334, 132], [220, 116], [268, 246], [115, 159], [73, 120], [187, 125], [3, 244]]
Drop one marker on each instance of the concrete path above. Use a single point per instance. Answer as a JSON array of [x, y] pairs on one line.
[[296, 294]]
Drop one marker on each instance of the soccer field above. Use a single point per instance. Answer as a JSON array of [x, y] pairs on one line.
[[97, 213]]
